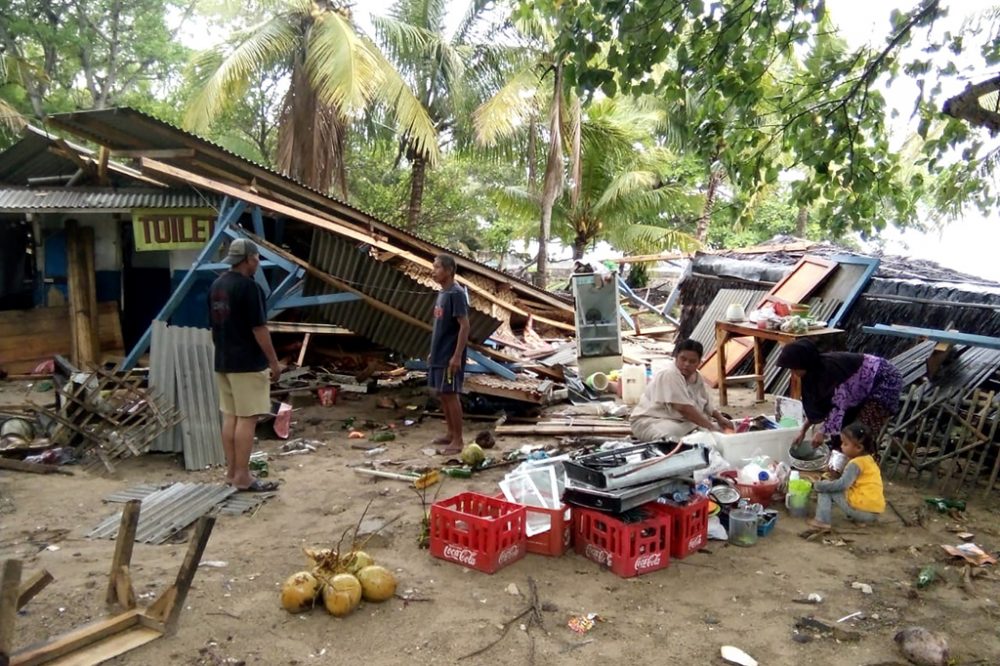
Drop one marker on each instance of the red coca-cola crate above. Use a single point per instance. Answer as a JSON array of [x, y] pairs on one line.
[[554, 541], [478, 531], [689, 526], [628, 549]]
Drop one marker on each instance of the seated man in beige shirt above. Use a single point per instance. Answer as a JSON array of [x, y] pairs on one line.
[[676, 401]]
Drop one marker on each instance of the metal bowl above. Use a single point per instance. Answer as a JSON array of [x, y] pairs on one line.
[[838, 461], [814, 464], [724, 495]]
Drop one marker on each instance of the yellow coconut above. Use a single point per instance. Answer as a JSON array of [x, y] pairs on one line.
[[342, 595], [377, 583], [299, 592], [358, 560]]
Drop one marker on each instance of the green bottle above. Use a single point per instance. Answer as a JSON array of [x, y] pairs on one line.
[[942, 504], [457, 472], [382, 436], [926, 576]]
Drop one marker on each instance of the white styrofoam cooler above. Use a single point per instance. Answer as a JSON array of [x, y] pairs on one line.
[[737, 448]]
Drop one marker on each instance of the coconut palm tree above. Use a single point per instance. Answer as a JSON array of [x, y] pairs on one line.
[[626, 189], [446, 71], [335, 73]]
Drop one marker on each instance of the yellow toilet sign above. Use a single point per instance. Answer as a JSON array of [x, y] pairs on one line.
[[172, 228]]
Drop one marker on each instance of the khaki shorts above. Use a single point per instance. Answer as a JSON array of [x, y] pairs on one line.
[[244, 393]]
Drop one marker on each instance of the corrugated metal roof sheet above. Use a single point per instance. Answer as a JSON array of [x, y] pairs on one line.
[[389, 285], [168, 511], [76, 198], [31, 157], [704, 332], [124, 128], [182, 368]]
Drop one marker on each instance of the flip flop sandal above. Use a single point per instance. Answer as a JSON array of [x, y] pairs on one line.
[[258, 486]]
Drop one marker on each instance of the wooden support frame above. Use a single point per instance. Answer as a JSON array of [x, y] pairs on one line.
[[111, 636]]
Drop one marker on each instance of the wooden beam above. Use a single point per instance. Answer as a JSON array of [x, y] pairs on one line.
[[301, 327], [102, 166], [10, 585], [30, 589], [82, 293], [334, 227], [302, 352], [32, 468], [76, 639], [124, 544], [164, 153], [169, 605]]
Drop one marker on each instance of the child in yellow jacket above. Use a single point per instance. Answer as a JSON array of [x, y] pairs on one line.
[[858, 491]]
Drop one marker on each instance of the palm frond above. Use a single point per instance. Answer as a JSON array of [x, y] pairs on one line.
[[402, 40], [516, 201], [343, 66], [649, 238], [475, 12], [412, 119], [222, 74], [501, 116]]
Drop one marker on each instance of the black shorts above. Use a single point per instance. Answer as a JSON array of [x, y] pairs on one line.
[[444, 381]]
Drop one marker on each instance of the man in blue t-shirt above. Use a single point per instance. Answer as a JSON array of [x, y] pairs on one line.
[[446, 369], [245, 362]]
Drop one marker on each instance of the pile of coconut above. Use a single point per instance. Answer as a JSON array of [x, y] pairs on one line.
[[341, 581]]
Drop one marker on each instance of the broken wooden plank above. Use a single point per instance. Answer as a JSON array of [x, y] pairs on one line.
[[553, 431], [167, 608], [29, 590], [122, 560], [75, 640], [33, 468], [10, 585]]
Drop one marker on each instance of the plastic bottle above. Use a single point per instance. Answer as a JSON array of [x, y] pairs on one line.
[[457, 472], [926, 576]]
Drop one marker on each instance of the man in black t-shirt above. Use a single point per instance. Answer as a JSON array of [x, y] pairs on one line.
[[446, 366], [245, 362]]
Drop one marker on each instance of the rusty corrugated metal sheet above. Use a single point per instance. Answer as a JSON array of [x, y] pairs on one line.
[[347, 262], [73, 198]]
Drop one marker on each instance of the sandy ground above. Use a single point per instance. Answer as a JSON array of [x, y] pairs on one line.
[[683, 614]]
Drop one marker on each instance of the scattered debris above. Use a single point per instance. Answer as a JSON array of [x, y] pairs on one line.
[[864, 587], [825, 629], [168, 511], [734, 655], [922, 647], [582, 624], [971, 553]]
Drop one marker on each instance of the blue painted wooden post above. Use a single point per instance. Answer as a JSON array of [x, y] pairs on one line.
[[491, 365], [232, 214]]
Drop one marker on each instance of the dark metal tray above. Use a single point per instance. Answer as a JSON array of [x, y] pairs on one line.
[[636, 465], [618, 501]]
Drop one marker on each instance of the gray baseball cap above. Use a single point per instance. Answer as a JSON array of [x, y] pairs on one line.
[[240, 249]]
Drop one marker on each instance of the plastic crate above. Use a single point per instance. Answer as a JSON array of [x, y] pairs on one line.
[[689, 526], [766, 523], [478, 531], [628, 549], [557, 539]]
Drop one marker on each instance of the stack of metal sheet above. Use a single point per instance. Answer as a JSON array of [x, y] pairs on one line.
[[168, 511], [181, 368]]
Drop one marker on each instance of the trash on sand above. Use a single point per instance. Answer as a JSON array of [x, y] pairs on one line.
[[943, 505], [922, 647], [734, 655], [214, 564], [513, 591], [356, 434], [815, 598], [825, 628], [850, 617], [926, 576], [383, 436], [966, 536], [971, 553], [581, 624], [864, 587], [377, 450]]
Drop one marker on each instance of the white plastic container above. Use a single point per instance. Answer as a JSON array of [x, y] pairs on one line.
[[633, 383], [738, 448]]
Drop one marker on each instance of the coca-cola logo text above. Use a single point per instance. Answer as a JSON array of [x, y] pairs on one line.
[[696, 542], [596, 554], [647, 561], [465, 556], [509, 554]]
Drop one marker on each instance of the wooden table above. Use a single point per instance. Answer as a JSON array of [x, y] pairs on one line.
[[725, 330]]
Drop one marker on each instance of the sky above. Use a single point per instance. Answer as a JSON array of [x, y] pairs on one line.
[[959, 244]]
